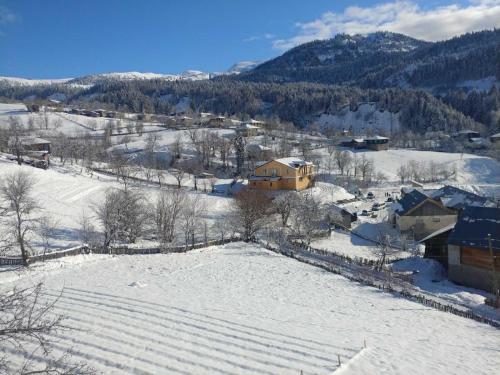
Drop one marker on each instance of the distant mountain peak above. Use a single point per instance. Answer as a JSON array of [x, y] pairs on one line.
[[243, 66]]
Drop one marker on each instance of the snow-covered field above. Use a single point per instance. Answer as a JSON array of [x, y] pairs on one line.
[[344, 243], [238, 309], [65, 195]]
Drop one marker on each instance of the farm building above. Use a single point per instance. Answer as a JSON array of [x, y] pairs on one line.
[[467, 135], [436, 245], [283, 174], [472, 256], [247, 130], [216, 122], [33, 147], [495, 138], [341, 216], [375, 143], [421, 215]]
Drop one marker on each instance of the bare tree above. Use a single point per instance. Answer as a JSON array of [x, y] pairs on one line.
[[284, 204], [88, 233], [306, 218], [14, 138], [403, 173], [384, 249], [177, 146], [250, 211], [58, 123], [365, 167], [192, 210], [224, 227], [169, 206], [179, 173], [130, 127], [123, 216], [123, 171], [139, 128], [47, 231], [27, 330], [16, 192], [343, 159]]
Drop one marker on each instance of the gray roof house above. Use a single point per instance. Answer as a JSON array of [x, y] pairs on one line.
[[469, 260]]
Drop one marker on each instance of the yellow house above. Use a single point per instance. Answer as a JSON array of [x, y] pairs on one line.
[[283, 174]]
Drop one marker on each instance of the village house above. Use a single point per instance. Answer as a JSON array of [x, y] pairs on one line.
[[340, 216], [283, 174], [458, 199], [474, 248], [216, 122], [247, 130], [257, 152], [419, 215], [466, 135], [495, 138], [376, 143], [34, 147]]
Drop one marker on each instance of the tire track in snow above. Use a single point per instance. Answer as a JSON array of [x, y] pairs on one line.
[[132, 315], [251, 334], [224, 344], [138, 303]]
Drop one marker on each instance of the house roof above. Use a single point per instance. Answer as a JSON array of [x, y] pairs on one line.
[[495, 135], [445, 229], [456, 198], [375, 137], [257, 147], [291, 162], [411, 200], [248, 126], [473, 227], [468, 131]]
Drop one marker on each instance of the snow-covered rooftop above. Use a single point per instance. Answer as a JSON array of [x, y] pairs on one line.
[[293, 162]]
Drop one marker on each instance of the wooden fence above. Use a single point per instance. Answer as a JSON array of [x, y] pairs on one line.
[[378, 280], [119, 250]]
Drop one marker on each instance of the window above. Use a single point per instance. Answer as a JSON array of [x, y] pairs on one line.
[[301, 178], [274, 172], [270, 184]]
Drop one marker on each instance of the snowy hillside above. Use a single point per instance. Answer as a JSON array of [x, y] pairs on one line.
[[365, 118], [243, 310], [243, 66], [89, 80], [14, 81]]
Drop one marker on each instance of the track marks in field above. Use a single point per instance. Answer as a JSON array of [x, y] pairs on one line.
[[165, 339]]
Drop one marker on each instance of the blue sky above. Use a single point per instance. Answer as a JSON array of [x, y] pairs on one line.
[[68, 38]]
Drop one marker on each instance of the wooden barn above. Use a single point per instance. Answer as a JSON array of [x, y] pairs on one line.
[[474, 248]]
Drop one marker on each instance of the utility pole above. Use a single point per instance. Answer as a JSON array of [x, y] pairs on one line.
[[494, 273]]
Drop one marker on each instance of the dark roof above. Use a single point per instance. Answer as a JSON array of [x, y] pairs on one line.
[[473, 227], [410, 200], [453, 197]]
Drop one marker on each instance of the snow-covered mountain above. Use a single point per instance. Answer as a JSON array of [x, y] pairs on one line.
[[15, 81], [93, 79], [385, 59], [243, 66]]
